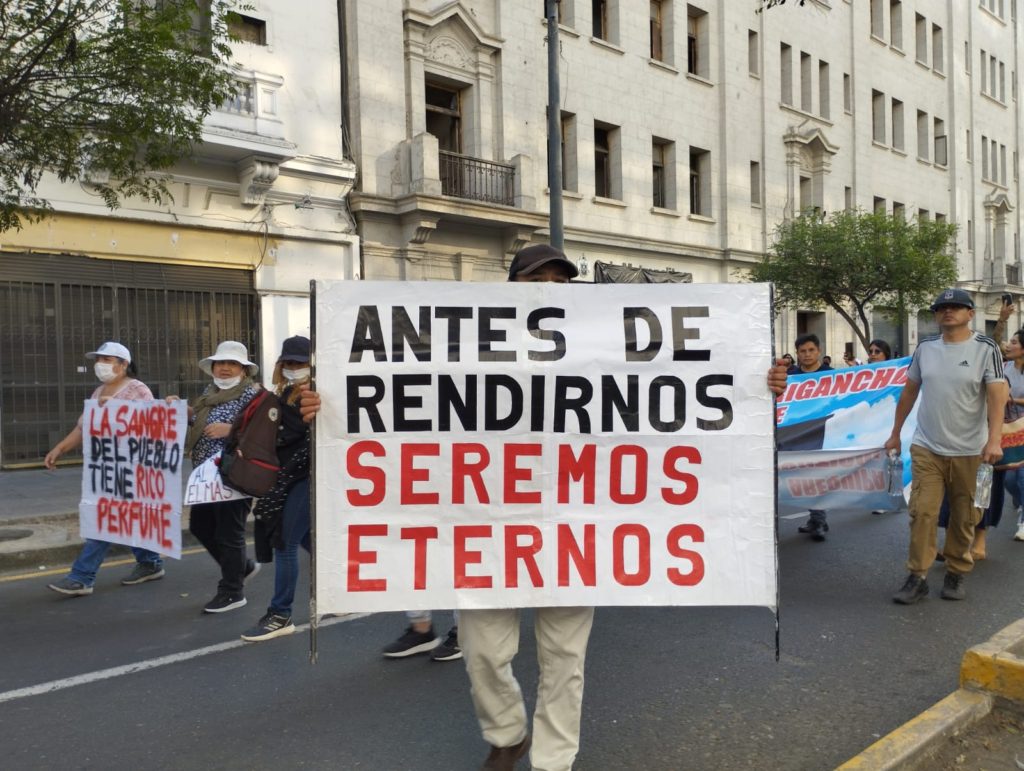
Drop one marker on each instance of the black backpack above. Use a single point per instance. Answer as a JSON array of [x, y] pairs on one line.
[[249, 461]]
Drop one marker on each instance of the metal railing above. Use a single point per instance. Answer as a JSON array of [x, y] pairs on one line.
[[477, 179]]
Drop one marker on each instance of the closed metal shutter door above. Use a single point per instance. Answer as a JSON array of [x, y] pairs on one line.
[[55, 308]]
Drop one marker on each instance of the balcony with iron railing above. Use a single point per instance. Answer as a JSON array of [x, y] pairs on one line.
[[476, 179]]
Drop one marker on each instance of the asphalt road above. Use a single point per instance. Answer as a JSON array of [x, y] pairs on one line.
[[666, 688]]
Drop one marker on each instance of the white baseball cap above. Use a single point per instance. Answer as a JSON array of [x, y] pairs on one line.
[[111, 349]]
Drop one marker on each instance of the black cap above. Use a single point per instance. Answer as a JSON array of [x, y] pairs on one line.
[[295, 349], [953, 296], [532, 257]]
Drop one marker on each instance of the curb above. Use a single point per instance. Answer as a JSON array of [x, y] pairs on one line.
[[990, 672], [913, 739], [997, 666], [65, 553], [55, 542]]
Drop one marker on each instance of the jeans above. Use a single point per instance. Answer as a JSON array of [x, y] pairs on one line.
[[1015, 485], [92, 555], [220, 528], [294, 533]]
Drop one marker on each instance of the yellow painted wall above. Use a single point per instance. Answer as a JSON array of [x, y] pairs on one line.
[[119, 239]]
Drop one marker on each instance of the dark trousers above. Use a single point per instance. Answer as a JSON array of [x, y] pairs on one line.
[[220, 528]]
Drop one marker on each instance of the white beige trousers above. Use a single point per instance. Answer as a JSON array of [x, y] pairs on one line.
[[490, 641]]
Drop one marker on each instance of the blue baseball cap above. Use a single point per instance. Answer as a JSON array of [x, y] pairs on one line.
[[953, 296]]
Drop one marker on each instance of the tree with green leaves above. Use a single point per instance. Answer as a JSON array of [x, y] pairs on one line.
[[851, 261], [105, 92]]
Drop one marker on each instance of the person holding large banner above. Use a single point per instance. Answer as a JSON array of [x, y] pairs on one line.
[[282, 515], [115, 370], [492, 448], [959, 376]]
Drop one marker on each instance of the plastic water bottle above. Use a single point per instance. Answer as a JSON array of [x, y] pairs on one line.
[[983, 486], [895, 473]]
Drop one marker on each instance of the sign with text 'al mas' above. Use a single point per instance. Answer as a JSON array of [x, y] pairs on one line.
[[131, 473], [536, 444]]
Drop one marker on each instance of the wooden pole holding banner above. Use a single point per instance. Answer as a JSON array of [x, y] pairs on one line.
[[313, 618]]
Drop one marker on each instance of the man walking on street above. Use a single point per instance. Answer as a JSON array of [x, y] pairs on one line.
[[959, 375], [808, 359], [490, 638]]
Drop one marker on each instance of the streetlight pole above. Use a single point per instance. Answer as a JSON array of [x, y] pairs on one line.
[[555, 225]]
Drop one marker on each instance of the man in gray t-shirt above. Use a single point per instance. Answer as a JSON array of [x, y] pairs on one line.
[[959, 376]]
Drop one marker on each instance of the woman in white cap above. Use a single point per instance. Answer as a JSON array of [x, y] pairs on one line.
[[220, 526], [115, 370]]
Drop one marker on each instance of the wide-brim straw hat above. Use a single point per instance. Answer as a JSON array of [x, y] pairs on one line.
[[229, 350]]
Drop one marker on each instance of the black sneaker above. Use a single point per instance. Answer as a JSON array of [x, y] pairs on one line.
[[143, 571], [70, 587], [412, 642], [449, 650], [815, 527], [223, 602], [270, 626], [914, 590], [953, 587]]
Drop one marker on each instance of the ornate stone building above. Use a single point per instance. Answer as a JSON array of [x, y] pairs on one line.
[[690, 129]]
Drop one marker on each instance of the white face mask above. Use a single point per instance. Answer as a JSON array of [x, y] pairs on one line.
[[104, 371], [224, 383], [292, 375]]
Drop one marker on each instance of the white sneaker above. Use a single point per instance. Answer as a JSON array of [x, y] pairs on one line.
[[1019, 536]]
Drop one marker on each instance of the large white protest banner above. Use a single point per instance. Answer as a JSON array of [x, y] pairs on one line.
[[131, 473], [537, 444]]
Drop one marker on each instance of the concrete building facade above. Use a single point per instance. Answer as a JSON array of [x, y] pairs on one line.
[[690, 130], [259, 209]]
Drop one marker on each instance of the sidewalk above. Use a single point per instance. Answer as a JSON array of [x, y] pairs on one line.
[[39, 517]]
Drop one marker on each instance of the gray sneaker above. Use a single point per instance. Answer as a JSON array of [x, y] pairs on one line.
[[142, 572], [270, 626], [70, 587], [914, 590], [953, 587]]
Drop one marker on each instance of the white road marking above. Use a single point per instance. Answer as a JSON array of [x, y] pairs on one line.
[[142, 666]]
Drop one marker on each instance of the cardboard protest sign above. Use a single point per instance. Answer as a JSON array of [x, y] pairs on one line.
[[536, 444], [832, 427], [205, 485], [131, 473]]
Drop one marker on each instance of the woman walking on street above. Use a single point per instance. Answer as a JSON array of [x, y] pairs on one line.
[[115, 370], [282, 515], [220, 526], [878, 350], [1014, 371]]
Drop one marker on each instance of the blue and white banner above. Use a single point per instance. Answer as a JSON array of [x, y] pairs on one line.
[[832, 426]]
